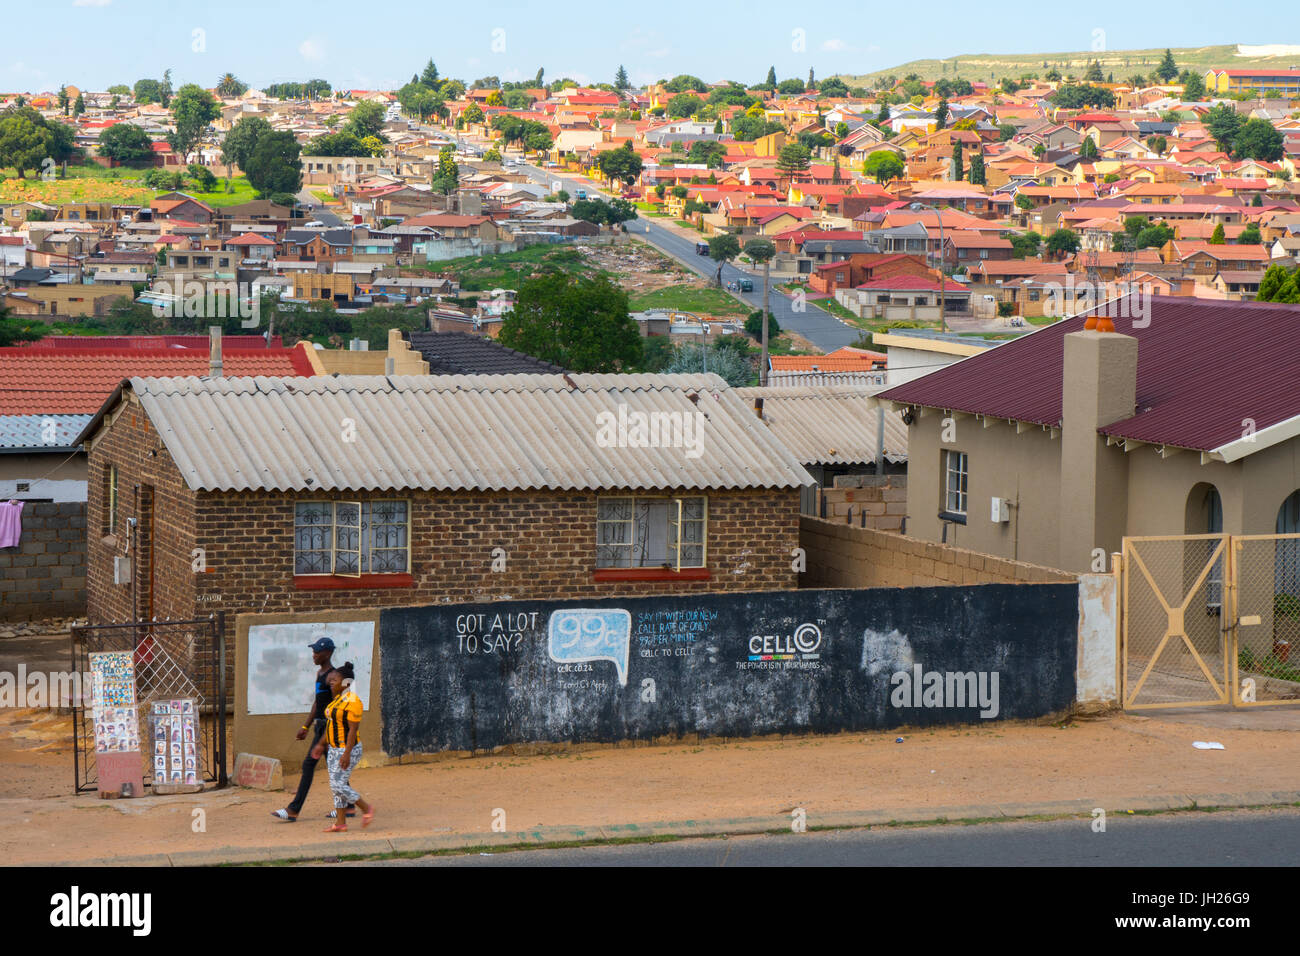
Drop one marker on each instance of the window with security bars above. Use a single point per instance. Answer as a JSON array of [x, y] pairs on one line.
[[351, 537], [651, 532], [955, 473]]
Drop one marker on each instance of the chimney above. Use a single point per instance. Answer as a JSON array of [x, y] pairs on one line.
[[214, 351], [1099, 388]]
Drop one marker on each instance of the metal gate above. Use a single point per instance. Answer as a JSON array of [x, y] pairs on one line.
[[173, 659], [1210, 620]]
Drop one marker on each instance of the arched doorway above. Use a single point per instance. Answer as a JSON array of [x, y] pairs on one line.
[[1286, 567], [1205, 516]]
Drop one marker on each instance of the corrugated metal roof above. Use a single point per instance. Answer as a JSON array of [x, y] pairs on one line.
[[34, 432], [828, 424], [1181, 401], [453, 432]]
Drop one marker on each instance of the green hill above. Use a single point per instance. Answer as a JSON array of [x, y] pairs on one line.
[[991, 67]]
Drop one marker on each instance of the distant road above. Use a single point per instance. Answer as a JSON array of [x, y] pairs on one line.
[[819, 327]]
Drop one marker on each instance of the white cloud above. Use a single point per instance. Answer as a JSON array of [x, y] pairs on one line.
[[312, 48], [835, 45], [91, 3]]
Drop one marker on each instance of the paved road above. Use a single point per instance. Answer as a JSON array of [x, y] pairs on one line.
[[816, 325], [1244, 838]]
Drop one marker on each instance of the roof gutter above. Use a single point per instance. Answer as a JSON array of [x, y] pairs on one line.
[[1255, 441]]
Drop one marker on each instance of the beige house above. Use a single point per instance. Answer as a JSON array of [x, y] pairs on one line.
[[1052, 447]]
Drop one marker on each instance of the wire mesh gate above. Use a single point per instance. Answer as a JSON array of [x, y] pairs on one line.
[[173, 659], [1210, 620]]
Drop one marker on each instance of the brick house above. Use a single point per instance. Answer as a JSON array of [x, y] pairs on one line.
[[317, 245], [866, 267], [312, 494]]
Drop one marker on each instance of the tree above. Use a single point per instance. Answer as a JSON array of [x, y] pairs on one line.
[[1006, 131], [1025, 244], [883, 165], [957, 169], [203, 179], [373, 146], [366, 119], [239, 142], [1258, 139], [1275, 277], [791, 85], [25, 139], [79, 106], [722, 249], [1157, 144], [1063, 241], [63, 99], [769, 83], [1023, 202], [273, 165], [977, 174], [473, 113], [581, 324], [1223, 123], [941, 114], [125, 143], [537, 80], [1088, 148], [493, 155], [119, 89], [620, 79], [229, 86], [494, 99], [1053, 75], [430, 75], [336, 144], [153, 91], [1094, 74], [684, 104], [1249, 236], [834, 87], [1167, 69], [1217, 237], [721, 358], [1075, 97], [447, 178], [192, 110], [1193, 87], [761, 252], [793, 159]]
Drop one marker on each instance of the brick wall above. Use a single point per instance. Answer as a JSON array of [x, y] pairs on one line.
[[847, 556], [880, 502], [44, 575], [248, 542]]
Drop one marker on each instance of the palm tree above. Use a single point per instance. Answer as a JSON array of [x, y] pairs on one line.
[[230, 85]]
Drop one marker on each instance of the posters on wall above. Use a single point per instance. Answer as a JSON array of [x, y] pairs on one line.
[[113, 703], [281, 675], [175, 754]]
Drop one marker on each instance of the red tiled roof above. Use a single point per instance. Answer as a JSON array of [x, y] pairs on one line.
[[44, 381], [858, 360], [1021, 379], [904, 283]]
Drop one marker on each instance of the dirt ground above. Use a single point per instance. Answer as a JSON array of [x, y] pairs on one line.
[[638, 267], [1105, 760]]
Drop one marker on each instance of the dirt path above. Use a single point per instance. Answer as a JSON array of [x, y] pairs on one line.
[[1104, 761]]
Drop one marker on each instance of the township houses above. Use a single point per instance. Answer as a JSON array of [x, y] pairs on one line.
[[1086, 436], [326, 492]]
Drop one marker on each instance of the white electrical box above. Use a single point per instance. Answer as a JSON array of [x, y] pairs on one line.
[[121, 570], [1001, 511]]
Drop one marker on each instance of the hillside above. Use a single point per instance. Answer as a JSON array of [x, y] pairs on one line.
[[992, 67]]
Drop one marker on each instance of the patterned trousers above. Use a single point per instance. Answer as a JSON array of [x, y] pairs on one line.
[[340, 779]]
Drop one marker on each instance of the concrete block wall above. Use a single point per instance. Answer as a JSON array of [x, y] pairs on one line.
[[882, 499], [45, 574], [849, 556]]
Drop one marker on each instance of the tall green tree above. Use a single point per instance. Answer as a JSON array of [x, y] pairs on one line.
[[230, 86], [722, 249], [447, 177], [1258, 139], [79, 106], [977, 172], [366, 119], [1063, 242], [192, 110], [581, 324], [126, 143], [1217, 237], [941, 114], [273, 167], [1223, 123], [883, 165], [762, 251], [958, 168], [26, 139], [63, 99], [792, 160], [430, 75], [239, 142], [620, 79], [1167, 69], [1088, 148], [621, 165]]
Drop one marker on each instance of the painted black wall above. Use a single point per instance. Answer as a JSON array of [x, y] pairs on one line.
[[469, 677]]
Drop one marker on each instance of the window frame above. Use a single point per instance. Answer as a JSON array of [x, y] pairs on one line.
[[947, 511], [114, 499], [364, 527], [675, 522]]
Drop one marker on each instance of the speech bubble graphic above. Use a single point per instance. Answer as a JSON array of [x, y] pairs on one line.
[[591, 634]]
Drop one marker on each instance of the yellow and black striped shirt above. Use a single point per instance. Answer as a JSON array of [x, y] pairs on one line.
[[342, 709]]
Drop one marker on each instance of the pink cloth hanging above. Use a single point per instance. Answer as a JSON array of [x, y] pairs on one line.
[[11, 523]]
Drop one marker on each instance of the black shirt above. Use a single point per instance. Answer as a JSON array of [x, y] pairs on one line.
[[323, 693]]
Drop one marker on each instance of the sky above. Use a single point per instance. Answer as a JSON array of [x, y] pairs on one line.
[[93, 44]]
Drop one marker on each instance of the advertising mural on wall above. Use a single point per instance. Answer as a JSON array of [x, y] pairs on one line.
[[468, 677]]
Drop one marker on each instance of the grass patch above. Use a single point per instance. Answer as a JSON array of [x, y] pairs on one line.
[[509, 269], [834, 308], [709, 300], [241, 192], [1041, 319]]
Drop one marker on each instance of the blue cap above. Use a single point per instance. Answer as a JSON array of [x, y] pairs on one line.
[[322, 644]]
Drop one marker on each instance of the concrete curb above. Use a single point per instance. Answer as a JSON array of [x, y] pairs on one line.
[[725, 826]]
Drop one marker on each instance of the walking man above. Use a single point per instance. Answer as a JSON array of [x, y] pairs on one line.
[[321, 653]]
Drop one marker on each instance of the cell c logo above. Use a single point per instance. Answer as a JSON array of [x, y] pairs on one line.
[[807, 638]]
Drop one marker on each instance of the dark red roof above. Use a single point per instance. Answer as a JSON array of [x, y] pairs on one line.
[[1180, 400]]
